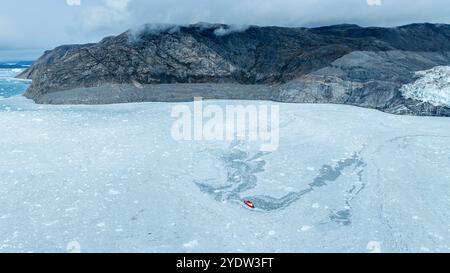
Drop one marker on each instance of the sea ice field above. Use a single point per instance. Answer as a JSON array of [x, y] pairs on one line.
[[111, 178]]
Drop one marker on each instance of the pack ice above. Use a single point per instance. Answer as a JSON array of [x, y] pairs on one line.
[[112, 179]]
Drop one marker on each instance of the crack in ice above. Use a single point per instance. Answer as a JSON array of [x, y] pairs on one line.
[[242, 167]]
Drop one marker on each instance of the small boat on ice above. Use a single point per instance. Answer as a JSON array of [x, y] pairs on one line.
[[249, 204]]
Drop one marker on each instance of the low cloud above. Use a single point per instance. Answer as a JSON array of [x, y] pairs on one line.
[[48, 23], [223, 31], [136, 33]]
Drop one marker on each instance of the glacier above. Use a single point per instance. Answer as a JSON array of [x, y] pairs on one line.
[[111, 179], [432, 86]]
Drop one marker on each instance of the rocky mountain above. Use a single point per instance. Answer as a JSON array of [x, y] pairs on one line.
[[344, 64]]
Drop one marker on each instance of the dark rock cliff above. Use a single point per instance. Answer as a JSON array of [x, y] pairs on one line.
[[336, 64]]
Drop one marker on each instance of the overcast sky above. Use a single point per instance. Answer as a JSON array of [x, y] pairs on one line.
[[28, 26]]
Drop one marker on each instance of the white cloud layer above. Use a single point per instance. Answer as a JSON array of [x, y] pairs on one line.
[[47, 23]]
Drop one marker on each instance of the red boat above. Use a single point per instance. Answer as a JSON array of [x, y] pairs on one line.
[[249, 204]]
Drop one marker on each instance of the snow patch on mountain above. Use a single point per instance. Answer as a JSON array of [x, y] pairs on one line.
[[432, 86]]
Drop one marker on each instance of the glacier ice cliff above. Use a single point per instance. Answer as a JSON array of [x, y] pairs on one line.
[[432, 86]]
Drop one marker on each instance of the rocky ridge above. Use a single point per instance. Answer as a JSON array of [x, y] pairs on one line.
[[344, 64]]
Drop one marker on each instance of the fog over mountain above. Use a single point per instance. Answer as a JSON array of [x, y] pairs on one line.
[[37, 25]]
